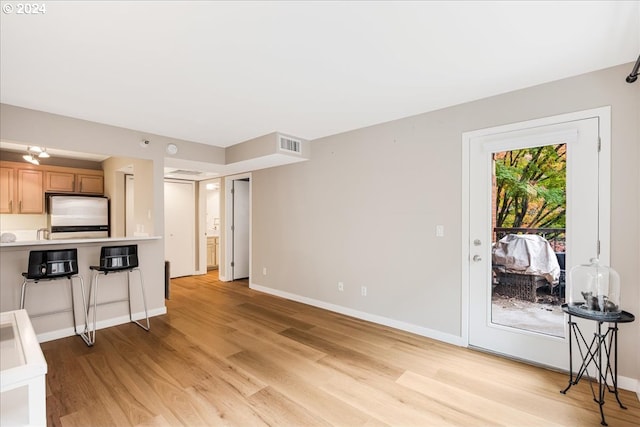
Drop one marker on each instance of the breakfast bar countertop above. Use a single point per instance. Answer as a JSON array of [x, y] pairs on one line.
[[25, 243]]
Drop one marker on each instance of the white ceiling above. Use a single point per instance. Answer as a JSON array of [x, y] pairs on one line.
[[220, 73]]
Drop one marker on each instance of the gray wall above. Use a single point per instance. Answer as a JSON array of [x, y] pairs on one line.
[[363, 210]]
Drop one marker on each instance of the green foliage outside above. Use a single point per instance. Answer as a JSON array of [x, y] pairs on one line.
[[531, 187]]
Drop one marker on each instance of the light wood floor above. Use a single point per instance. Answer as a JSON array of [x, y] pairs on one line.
[[227, 355]]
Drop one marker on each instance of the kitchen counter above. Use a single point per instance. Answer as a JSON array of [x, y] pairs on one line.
[[54, 295], [23, 243]]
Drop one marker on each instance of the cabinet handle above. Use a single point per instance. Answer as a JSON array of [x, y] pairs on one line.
[[81, 186], [20, 206], [10, 206]]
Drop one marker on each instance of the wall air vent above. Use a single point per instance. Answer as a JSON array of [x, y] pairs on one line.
[[290, 145]]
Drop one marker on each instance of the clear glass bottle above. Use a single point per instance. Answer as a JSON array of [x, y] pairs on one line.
[[594, 290]]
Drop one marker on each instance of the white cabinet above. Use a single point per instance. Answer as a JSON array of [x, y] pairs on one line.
[[22, 372]]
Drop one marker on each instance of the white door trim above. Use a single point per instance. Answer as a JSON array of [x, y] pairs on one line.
[[604, 116], [227, 241]]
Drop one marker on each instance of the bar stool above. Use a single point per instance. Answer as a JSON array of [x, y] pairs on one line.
[[52, 265], [116, 259]]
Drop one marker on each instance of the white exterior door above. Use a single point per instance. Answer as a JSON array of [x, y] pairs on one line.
[[587, 221], [179, 227]]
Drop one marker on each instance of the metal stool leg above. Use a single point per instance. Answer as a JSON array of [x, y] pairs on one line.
[[144, 300], [93, 302], [83, 335], [93, 292], [23, 294]]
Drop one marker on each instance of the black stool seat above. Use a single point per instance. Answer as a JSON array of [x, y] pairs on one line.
[[114, 259], [117, 258], [53, 265]]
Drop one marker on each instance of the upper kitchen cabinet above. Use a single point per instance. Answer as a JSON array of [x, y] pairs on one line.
[[93, 184], [59, 181], [70, 181], [7, 190], [21, 191], [23, 186], [30, 192]]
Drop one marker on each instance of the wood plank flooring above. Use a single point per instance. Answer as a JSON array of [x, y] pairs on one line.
[[227, 355]]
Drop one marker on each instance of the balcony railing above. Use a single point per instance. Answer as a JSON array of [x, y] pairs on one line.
[[555, 236]]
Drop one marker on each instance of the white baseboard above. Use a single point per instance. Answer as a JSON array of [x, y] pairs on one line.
[[69, 332], [624, 383], [630, 384], [381, 320]]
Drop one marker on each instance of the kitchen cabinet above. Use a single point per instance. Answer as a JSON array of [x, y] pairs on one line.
[[212, 253], [7, 190], [70, 182], [30, 192], [21, 191], [23, 186], [59, 181], [90, 184]]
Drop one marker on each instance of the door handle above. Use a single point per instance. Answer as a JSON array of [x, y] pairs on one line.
[[477, 258]]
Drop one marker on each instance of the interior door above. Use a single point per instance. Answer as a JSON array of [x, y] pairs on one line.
[[240, 229], [582, 230], [179, 227]]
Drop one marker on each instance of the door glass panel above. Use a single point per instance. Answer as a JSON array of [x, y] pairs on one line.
[[528, 238]]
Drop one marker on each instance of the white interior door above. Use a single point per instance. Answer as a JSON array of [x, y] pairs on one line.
[[240, 229], [179, 227], [586, 218]]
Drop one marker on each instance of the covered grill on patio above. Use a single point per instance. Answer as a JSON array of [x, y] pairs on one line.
[[522, 263]]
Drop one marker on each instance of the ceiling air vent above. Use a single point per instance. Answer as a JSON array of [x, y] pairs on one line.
[[186, 172], [290, 145]]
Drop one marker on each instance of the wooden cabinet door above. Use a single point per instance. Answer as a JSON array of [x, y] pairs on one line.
[[7, 189], [30, 192], [59, 181], [92, 184]]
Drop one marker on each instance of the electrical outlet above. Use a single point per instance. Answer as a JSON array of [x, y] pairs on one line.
[[439, 230], [363, 291], [264, 271], [340, 286]]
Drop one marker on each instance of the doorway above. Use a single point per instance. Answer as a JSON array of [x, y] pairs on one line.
[[238, 227], [587, 207], [179, 227]]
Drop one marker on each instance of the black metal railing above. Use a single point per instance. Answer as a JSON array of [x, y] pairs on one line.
[[555, 236]]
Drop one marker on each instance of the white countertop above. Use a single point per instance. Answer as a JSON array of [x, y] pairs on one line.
[[23, 243]]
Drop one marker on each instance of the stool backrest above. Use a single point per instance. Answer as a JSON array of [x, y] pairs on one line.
[[52, 263], [118, 257]]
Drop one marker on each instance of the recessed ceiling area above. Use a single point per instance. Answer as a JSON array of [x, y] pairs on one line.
[[220, 73]]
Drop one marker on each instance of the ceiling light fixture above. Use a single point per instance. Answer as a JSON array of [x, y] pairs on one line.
[[34, 152], [29, 158]]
